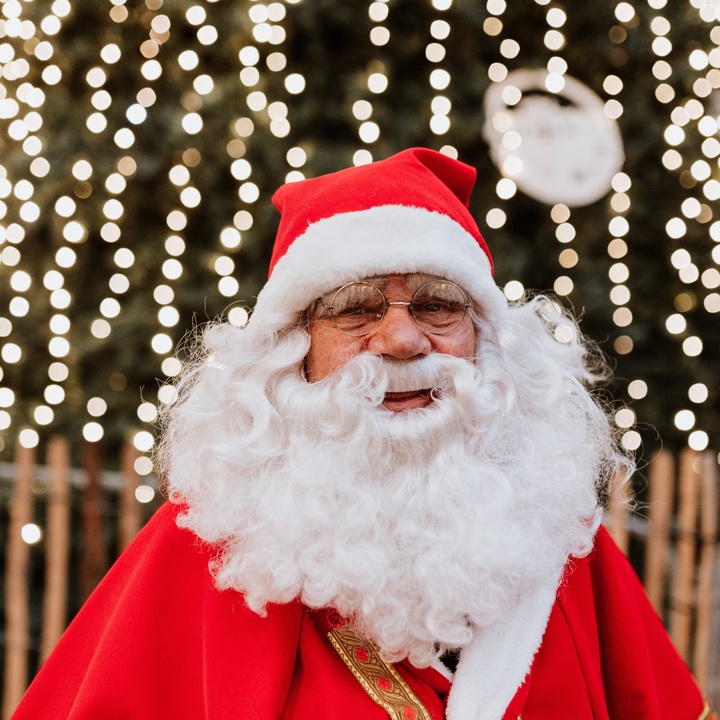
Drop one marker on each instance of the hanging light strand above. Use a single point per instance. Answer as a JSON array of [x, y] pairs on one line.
[[376, 82], [506, 188], [689, 115], [620, 203], [554, 41], [20, 50], [440, 78], [266, 48]]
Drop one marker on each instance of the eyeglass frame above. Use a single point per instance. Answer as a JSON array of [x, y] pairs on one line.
[[467, 305]]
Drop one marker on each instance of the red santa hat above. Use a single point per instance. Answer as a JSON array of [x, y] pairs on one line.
[[408, 213]]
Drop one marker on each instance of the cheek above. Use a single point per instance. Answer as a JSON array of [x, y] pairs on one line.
[[461, 344], [329, 350]]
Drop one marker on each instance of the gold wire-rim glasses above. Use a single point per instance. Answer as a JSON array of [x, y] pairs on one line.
[[358, 308]]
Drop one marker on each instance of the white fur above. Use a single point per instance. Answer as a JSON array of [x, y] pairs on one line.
[[495, 662], [380, 240]]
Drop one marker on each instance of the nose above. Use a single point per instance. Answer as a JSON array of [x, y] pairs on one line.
[[399, 336]]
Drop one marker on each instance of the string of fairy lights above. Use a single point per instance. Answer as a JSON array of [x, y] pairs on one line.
[[22, 109], [691, 110], [688, 115], [620, 202], [376, 83], [25, 44], [377, 80], [440, 78], [497, 73], [506, 187], [268, 32]]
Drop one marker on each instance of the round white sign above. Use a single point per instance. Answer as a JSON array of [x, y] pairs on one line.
[[558, 147]]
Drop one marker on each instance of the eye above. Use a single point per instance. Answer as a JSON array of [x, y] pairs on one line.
[[437, 305], [358, 299], [357, 309]]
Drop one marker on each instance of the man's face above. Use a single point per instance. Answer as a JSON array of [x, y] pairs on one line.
[[398, 337]]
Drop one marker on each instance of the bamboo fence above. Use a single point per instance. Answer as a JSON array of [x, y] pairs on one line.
[[23, 649], [677, 533], [672, 539]]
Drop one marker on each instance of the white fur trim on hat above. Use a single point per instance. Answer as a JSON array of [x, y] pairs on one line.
[[378, 241]]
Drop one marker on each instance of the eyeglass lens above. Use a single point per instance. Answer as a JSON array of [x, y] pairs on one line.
[[438, 307]]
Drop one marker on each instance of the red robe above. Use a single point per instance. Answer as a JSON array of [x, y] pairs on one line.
[[157, 640]]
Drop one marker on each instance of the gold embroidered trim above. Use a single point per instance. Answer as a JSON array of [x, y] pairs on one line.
[[707, 713], [380, 680]]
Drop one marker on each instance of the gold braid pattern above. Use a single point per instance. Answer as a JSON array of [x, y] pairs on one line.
[[380, 680]]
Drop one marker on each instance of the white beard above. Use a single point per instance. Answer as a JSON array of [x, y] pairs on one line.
[[421, 527]]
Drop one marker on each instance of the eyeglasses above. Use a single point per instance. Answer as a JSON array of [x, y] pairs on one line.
[[438, 307]]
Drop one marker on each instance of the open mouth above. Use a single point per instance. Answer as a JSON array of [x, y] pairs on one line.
[[410, 400]]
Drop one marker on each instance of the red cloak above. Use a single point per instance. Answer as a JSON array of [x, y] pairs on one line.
[[158, 640]]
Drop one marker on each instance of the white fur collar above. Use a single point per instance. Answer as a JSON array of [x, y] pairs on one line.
[[497, 660]]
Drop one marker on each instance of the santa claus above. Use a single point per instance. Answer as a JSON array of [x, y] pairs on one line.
[[383, 498]]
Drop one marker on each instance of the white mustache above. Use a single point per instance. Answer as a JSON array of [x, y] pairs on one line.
[[424, 373]]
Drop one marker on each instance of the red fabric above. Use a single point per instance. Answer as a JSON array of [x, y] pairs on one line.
[[606, 655], [157, 640], [417, 177], [622, 645]]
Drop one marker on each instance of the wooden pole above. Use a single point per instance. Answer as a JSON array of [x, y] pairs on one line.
[[716, 635], [17, 599], [129, 506], [661, 483], [56, 545], [682, 597], [94, 554], [706, 569], [617, 512]]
